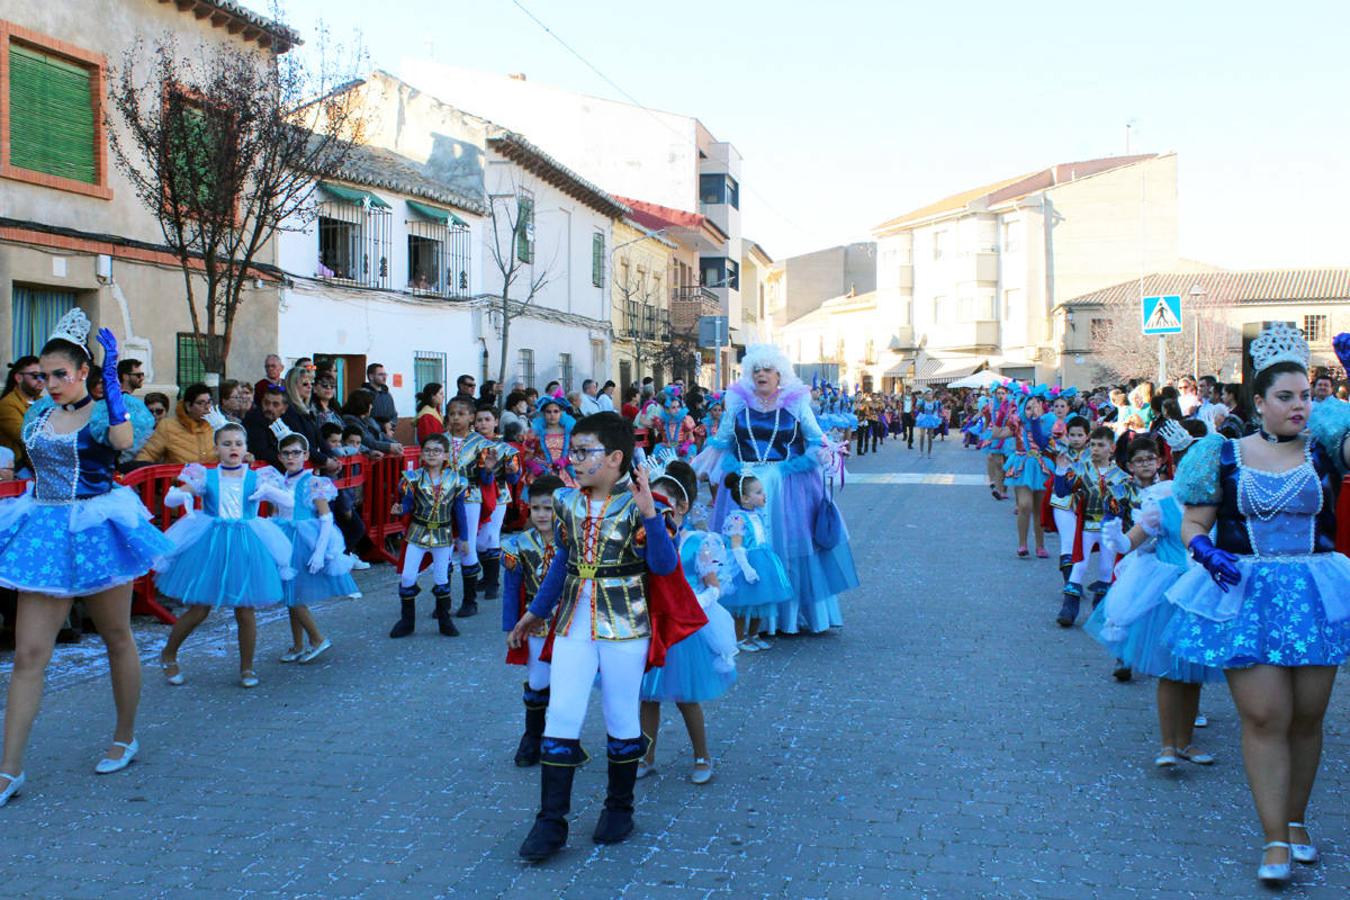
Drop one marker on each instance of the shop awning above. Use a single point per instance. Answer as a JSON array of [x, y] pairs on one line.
[[902, 367], [942, 371], [352, 195], [436, 214]]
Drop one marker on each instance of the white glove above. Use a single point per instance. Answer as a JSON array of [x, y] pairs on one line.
[[1150, 519], [743, 560], [274, 494], [318, 559], [1114, 539], [179, 497]]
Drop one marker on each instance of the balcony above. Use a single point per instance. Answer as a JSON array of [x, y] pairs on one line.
[[980, 267], [645, 322], [982, 335], [688, 303]]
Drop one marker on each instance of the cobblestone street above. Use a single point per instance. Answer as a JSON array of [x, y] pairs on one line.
[[949, 741]]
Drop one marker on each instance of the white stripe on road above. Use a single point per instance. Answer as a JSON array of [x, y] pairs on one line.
[[913, 478]]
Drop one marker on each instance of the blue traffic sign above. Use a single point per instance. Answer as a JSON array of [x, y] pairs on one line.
[[1162, 315]]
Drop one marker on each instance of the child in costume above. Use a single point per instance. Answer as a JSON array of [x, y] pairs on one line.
[[758, 583], [497, 501], [474, 457], [673, 427], [433, 494], [702, 667], [1026, 470], [552, 438], [225, 555], [300, 507], [1100, 490], [928, 419], [1131, 620], [994, 439], [712, 417], [526, 557], [620, 602], [1072, 457]]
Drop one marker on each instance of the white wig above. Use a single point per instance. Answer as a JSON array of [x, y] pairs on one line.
[[767, 356]]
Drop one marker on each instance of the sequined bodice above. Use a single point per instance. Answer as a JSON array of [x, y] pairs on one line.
[[226, 497], [1280, 507], [768, 436], [67, 466]]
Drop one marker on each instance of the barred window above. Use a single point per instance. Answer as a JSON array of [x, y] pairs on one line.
[[1315, 328]]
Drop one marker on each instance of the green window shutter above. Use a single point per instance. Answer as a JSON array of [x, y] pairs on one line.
[[598, 259], [51, 120], [525, 229]]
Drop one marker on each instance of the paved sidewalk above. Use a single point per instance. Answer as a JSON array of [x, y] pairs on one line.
[[950, 741]]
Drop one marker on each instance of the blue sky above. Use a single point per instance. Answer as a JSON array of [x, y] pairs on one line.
[[853, 111]]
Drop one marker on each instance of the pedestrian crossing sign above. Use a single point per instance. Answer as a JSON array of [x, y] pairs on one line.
[[1162, 315]]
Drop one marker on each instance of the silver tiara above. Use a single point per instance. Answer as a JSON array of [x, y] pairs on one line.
[[1281, 342], [216, 419], [74, 327], [280, 429], [1177, 438]]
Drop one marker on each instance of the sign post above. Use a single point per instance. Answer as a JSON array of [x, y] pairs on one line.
[[712, 332], [1161, 316]]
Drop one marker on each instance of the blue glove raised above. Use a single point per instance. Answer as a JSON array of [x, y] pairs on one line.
[[1341, 343], [112, 388], [1220, 564]]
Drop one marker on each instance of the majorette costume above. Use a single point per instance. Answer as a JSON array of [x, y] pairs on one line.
[[1291, 606], [673, 426], [995, 416], [1098, 493], [701, 667], [621, 602], [436, 504], [1023, 468], [763, 598], [927, 414], [552, 448], [497, 500], [708, 426], [74, 532], [318, 556], [527, 556], [467, 457], [225, 555], [780, 443]]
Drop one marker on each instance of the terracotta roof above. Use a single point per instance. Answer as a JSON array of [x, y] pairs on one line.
[[237, 19], [377, 167], [1253, 286], [519, 150], [655, 216], [1010, 189]]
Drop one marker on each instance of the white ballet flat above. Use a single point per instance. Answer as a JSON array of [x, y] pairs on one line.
[[14, 786], [248, 678], [291, 655], [1200, 757], [177, 677], [107, 765], [745, 645], [1167, 758], [1201, 721], [1275, 873], [643, 770], [314, 653], [701, 776], [1303, 853]]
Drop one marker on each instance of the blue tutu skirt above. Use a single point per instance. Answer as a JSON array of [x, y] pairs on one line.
[[1276, 616], [80, 548], [997, 445], [219, 562], [1144, 649], [761, 599], [1023, 471], [333, 580], [928, 420], [699, 668]]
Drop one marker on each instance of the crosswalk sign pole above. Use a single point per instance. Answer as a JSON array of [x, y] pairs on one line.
[[1162, 361]]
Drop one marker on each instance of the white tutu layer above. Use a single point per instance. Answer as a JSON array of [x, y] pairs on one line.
[[1196, 592], [188, 530], [337, 561], [120, 506], [720, 633], [1141, 584]]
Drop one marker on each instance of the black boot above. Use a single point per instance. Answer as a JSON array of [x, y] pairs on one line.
[[407, 598], [491, 583], [1068, 613], [616, 819], [449, 579], [1065, 565], [468, 606], [560, 760], [443, 603], [1098, 589], [536, 705]]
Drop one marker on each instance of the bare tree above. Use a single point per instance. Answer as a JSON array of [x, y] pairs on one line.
[[225, 146], [641, 293], [513, 251], [1208, 345]]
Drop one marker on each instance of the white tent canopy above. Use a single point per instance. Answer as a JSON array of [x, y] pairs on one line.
[[978, 380]]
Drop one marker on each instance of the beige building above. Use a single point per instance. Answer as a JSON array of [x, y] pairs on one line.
[[846, 339], [73, 231], [642, 266], [1100, 331], [972, 280]]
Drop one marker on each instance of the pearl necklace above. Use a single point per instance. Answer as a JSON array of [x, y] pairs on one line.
[[1255, 500], [761, 458]]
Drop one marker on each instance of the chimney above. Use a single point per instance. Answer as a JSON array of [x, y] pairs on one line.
[[516, 76]]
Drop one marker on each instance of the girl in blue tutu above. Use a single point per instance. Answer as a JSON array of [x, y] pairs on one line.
[[928, 419], [1028, 466], [224, 555], [1131, 620], [701, 667], [300, 508], [759, 583], [75, 533]]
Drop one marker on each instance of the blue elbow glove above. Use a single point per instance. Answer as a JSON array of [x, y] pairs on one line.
[[1341, 344], [1220, 564], [112, 388]]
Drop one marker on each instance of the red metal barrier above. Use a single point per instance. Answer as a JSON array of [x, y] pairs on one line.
[[1343, 517], [381, 482], [10, 489], [151, 483]]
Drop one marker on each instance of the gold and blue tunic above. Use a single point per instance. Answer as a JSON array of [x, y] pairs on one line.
[[466, 458], [527, 556], [437, 507]]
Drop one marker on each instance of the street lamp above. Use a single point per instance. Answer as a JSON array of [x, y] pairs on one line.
[[1197, 294]]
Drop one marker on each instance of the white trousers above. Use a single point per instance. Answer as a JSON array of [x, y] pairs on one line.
[[1105, 559], [1066, 523], [576, 659], [537, 671], [412, 562], [469, 556], [490, 532]]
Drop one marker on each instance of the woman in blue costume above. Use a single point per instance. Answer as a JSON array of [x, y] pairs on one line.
[[928, 419], [769, 431], [75, 534], [1269, 602], [1029, 463], [1131, 621]]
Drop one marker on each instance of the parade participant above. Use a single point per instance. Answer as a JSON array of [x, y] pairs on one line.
[[225, 555], [497, 502], [702, 667], [1072, 457], [769, 431], [433, 494], [758, 583], [74, 534], [552, 438], [527, 556], [475, 458], [995, 439], [1027, 467], [1133, 617], [1099, 491], [711, 421], [673, 427], [928, 419], [614, 616], [1269, 602], [300, 507]]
